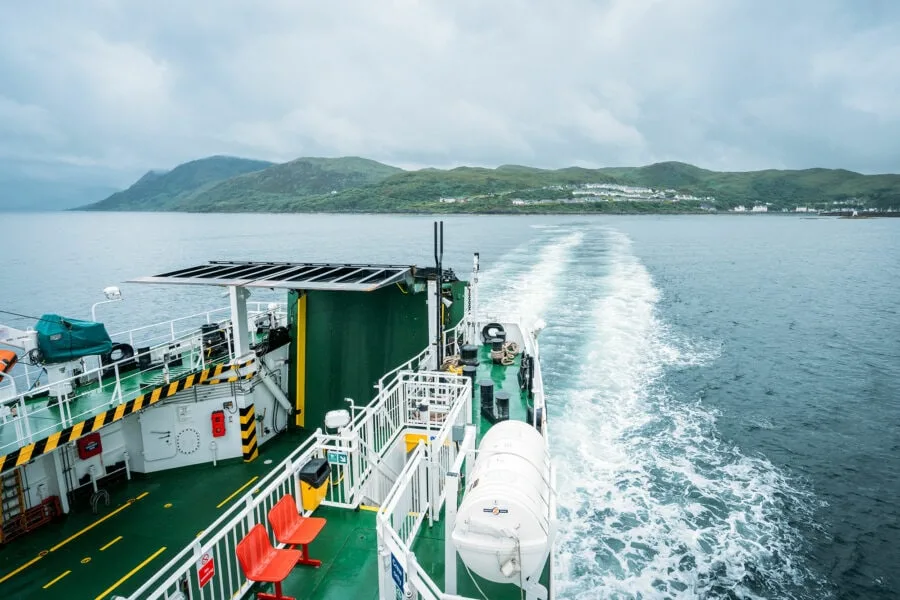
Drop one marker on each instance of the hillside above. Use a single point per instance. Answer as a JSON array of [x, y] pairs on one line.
[[166, 190], [361, 185], [269, 189]]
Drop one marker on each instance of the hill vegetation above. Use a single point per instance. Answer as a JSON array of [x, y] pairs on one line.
[[167, 190], [355, 184]]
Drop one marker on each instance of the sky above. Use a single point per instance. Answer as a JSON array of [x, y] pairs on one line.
[[103, 90]]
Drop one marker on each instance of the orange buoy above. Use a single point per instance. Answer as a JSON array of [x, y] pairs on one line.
[[8, 359]]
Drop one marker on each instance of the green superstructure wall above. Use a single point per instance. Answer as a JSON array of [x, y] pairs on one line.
[[352, 339]]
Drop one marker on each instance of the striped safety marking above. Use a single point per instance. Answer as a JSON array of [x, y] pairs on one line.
[[248, 434], [208, 376]]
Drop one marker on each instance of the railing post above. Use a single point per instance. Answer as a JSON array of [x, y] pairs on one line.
[[411, 592], [118, 390], [452, 487], [23, 413]]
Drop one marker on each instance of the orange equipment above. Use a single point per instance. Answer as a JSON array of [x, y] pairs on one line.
[[8, 360]]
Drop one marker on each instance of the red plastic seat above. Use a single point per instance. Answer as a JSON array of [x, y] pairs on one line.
[[261, 562], [293, 530]]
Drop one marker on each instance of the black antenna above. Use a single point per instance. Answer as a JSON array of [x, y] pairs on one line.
[[439, 277]]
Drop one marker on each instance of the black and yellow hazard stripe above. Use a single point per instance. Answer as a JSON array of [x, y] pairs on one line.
[[70, 434], [248, 434]]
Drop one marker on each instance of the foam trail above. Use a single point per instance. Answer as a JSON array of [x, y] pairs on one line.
[[528, 294], [654, 504]]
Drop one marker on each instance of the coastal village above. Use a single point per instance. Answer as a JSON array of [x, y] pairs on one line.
[[608, 192]]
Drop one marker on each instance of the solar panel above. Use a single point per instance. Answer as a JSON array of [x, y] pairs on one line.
[[295, 276]]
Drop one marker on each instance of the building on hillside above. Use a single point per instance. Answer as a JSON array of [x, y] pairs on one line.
[[739, 208], [760, 208]]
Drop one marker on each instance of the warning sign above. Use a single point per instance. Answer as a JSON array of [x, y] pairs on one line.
[[206, 568]]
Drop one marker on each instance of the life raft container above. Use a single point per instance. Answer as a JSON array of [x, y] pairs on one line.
[[8, 359]]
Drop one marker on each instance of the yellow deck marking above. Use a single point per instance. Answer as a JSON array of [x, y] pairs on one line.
[[102, 548], [128, 575], [237, 491], [22, 568], [85, 560], [369, 508], [51, 582], [92, 525]]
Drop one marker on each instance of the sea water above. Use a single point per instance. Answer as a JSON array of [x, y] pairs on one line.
[[723, 391]]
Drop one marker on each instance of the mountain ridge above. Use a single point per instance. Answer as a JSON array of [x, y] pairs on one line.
[[356, 184]]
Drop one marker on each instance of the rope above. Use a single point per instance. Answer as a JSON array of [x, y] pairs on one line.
[[507, 356], [450, 362]]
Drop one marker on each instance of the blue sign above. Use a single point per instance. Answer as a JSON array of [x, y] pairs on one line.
[[397, 572]]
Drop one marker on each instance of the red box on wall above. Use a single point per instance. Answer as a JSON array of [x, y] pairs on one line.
[[218, 423], [89, 446]]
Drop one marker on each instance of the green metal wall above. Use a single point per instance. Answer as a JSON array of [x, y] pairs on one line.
[[352, 339]]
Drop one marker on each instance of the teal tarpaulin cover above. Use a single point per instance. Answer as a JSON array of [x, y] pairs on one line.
[[61, 339]]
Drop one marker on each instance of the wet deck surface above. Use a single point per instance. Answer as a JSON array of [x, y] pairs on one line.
[[169, 510]]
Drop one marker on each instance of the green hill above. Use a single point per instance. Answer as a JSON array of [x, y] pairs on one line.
[[270, 189], [360, 185], [167, 190]]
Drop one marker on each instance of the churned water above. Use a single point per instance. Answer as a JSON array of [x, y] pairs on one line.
[[724, 391]]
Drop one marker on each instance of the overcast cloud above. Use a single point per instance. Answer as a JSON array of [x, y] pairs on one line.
[[116, 88]]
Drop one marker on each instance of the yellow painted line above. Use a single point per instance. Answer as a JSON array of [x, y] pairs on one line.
[[128, 575], [369, 508], [92, 525], [238, 491], [102, 548], [20, 569], [48, 584]]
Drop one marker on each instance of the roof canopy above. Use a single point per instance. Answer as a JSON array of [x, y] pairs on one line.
[[294, 276]]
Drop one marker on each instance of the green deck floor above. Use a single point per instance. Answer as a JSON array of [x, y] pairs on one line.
[[347, 547], [148, 524], [504, 378]]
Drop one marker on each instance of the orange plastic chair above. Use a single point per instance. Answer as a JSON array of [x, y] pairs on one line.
[[293, 530], [263, 563]]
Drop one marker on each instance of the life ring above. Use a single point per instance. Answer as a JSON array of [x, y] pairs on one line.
[[8, 359], [491, 331], [120, 354]]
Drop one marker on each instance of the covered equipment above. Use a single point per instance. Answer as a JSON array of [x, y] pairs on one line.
[[61, 339]]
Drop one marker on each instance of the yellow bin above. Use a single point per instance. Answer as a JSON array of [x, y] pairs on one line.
[[314, 479]]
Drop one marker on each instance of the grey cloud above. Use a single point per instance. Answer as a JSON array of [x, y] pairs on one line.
[[116, 88]]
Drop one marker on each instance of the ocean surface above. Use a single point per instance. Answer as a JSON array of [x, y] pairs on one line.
[[724, 391]]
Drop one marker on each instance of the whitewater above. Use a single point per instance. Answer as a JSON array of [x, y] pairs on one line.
[[654, 504]]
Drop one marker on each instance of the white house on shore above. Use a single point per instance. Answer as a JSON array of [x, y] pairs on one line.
[[760, 208]]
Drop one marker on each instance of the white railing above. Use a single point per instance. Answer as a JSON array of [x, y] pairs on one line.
[[420, 492], [220, 539], [173, 329], [184, 344], [421, 489], [364, 443], [419, 361]]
